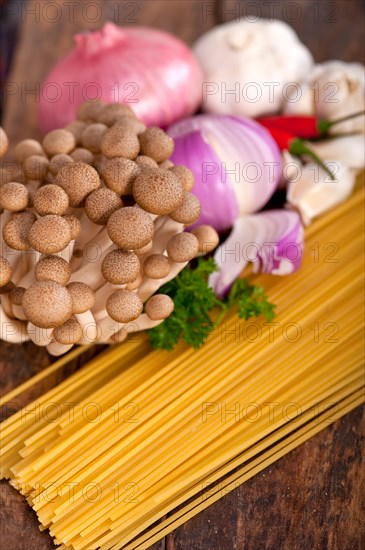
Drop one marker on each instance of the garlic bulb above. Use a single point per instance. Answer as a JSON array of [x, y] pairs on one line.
[[249, 67], [313, 192], [332, 90]]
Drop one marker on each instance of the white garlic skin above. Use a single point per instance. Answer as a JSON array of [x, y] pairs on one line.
[[266, 54], [349, 150], [314, 192], [332, 90]]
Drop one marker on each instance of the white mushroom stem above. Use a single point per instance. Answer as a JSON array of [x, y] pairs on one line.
[[101, 296], [106, 328], [40, 336], [89, 232], [29, 278], [32, 258], [13, 256], [56, 349], [7, 305], [90, 272], [150, 286], [89, 327], [67, 252], [18, 312], [12, 330], [142, 323]]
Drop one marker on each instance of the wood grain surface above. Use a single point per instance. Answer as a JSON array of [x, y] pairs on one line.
[[310, 499]]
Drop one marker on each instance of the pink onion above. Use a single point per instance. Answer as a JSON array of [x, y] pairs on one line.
[[152, 71], [235, 161], [272, 240]]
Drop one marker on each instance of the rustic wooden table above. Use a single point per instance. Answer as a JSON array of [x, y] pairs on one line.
[[311, 498]]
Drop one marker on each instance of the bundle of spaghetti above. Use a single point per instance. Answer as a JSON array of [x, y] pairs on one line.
[[172, 376], [191, 423], [285, 444]]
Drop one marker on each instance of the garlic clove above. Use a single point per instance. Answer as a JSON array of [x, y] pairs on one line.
[[349, 150], [315, 192]]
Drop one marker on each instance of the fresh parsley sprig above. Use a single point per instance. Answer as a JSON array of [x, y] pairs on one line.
[[194, 301]]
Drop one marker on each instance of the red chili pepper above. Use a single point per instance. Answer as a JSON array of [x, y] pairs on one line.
[[295, 145], [302, 126], [307, 127]]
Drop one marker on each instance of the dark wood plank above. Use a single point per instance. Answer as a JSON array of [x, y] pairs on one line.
[[310, 499], [324, 27]]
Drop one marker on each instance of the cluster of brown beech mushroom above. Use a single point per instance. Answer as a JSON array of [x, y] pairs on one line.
[[92, 225]]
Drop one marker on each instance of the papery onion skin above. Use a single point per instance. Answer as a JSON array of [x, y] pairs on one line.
[[236, 163], [272, 240], [155, 73]]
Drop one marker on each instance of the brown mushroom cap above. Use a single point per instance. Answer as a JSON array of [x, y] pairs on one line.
[[68, 333], [182, 247], [189, 211], [4, 142], [112, 112], [50, 199], [184, 175], [16, 230], [76, 128], [156, 266], [47, 304], [90, 110], [207, 237], [16, 295], [82, 296], [120, 267], [130, 228], [58, 141], [58, 161], [7, 288], [144, 249], [155, 143], [75, 225], [146, 162], [101, 204], [119, 336], [159, 306], [53, 268], [82, 155], [14, 196], [136, 283], [120, 141], [92, 136], [124, 306], [166, 164], [26, 148], [50, 234], [78, 180], [6, 271], [35, 167], [119, 175], [158, 191], [130, 122], [11, 172]]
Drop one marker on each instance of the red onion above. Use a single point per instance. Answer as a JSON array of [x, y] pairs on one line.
[[235, 161], [152, 71], [272, 240]]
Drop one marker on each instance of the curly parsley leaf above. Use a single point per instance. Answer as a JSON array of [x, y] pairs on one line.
[[194, 300]]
